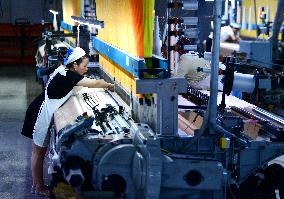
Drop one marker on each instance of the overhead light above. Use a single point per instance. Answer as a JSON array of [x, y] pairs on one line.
[[53, 12], [89, 22], [55, 26]]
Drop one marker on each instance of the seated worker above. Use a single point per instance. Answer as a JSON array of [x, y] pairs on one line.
[[227, 34], [40, 112]]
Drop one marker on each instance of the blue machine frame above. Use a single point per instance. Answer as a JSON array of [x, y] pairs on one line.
[[132, 64], [66, 26]]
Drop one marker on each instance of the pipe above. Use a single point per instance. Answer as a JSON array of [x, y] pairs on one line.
[[209, 122], [278, 19], [211, 113], [169, 40]]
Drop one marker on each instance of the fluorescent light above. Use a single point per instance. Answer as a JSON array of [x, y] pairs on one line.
[[55, 26], [89, 22], [53, 12]]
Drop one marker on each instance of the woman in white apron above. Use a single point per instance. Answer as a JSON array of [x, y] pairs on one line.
[[58, 90]]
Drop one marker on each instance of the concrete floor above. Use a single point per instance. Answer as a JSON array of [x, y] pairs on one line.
[[17, 89]]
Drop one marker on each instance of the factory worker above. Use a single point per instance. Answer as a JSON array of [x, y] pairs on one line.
[[40, 112], [227, 34], [230, 33]]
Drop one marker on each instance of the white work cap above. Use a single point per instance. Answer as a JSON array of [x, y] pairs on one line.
[[235, 25], [73, 54]]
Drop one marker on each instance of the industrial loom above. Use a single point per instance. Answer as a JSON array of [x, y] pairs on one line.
[[155, 136]]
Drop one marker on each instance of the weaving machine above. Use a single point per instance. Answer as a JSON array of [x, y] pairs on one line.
[[129, 144]]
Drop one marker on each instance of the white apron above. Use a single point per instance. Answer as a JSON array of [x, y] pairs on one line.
[[48, 107]]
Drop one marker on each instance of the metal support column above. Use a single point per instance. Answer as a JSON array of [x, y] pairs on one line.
[[167, 101]]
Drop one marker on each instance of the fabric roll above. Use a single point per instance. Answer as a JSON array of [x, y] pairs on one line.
[[243, 82]]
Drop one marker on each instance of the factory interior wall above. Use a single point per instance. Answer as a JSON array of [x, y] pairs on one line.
[[71, 9], [259, 3], [128, 26], [16, 38], [33, 10]]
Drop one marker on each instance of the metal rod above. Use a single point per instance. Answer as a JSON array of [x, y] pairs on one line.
[[191, 32], [211, 113], [255, 18], [278, 20], [78, 35], [193, 21], [209, 122], [190, 47], [191, 5], [169, 41], [268, 115]]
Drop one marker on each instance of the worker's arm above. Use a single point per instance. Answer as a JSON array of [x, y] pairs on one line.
[[93, 83], [235, 38]]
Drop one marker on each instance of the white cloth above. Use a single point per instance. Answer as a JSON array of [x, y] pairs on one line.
[[48, 107], [61, 69], [205, 83], [235, 25], [225, 33], [60, 44], [188, 65], [41, 50], [76, 54]]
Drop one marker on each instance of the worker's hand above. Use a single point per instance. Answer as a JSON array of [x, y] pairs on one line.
[[110, 87]]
